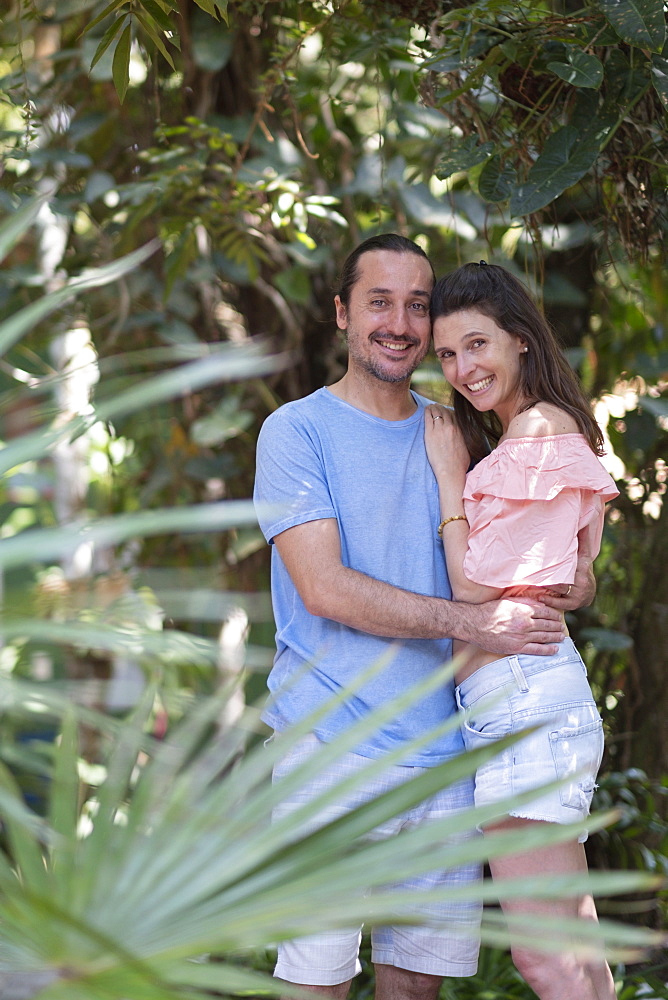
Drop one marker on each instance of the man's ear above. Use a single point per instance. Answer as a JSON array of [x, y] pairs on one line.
[[341, 313]]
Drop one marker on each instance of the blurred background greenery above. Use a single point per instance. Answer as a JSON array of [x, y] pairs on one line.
[[180, 184]]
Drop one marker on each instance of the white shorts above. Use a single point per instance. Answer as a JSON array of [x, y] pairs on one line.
[[446, 945], [552, 693]]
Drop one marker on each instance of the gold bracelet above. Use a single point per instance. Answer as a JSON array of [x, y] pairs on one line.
[[455, 517]]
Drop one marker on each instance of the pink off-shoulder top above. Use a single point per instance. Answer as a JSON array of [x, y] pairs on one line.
[[526, 503]]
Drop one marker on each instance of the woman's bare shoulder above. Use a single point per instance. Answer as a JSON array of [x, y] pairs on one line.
[[541, 420]]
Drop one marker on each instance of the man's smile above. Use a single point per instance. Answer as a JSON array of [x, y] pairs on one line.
[[393, 345]]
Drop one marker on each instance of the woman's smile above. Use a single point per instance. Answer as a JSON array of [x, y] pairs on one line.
[[484, 383]]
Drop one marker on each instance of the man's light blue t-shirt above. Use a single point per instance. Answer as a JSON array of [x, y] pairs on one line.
[[320, 457]]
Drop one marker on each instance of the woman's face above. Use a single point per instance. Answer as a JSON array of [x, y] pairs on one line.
[[481, 361]]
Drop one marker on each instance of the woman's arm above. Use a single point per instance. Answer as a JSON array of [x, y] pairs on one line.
[[450, 460]]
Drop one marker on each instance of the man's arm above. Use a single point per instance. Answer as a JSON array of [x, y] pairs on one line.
[[311, 553]]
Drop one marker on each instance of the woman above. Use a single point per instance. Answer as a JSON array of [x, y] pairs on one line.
[[512, 526]]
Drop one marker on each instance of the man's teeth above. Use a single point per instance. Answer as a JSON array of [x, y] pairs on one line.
[[482, 384], [391, 345]]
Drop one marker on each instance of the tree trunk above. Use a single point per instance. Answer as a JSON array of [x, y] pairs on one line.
[[648, 744]]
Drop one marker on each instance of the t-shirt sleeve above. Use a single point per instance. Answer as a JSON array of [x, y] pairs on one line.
[[290, 482], [526, 504]]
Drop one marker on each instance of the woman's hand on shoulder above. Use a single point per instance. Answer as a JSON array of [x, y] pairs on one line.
[[446, 451], [541, 420]]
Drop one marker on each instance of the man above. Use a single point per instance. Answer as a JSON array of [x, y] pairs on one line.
[[356, 563]]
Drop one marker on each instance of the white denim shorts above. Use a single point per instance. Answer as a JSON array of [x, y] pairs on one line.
[[447, 944], [552, 693]]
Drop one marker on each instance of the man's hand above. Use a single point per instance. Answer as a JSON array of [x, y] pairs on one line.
[[580, 594], [512, 625]]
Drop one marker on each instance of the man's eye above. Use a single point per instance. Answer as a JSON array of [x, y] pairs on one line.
[[420, 306], [477, 343], [378, 302]]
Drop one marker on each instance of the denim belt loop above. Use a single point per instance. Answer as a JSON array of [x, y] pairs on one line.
[[518, 674]]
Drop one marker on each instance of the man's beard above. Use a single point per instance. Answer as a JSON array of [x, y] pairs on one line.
[[382, 373]]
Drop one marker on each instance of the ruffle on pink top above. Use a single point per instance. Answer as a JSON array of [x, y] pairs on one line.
[[526, 504]]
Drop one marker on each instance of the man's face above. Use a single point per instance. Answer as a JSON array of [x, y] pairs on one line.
[[387, 322]]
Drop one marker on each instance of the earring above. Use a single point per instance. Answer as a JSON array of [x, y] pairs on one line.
[[525, 350]]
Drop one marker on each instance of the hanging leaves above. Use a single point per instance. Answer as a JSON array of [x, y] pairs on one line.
[[564, 161], [555, 106], [580, 69], [148, 20], [464, 156], [121, 64], [497, 180], [639, 22], [110, 34], [660, 78], [214, 8]]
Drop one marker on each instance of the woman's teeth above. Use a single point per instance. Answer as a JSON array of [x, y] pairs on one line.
[[484, 383]]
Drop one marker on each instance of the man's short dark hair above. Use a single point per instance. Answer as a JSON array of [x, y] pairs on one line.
[[384, 241]]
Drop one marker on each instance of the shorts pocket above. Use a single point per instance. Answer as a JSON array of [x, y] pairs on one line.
[[577, 752], [489, 719]]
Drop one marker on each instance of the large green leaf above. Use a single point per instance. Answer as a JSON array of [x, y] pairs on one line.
[[120, 67], [660, 78], [463, 157], [153, 32], [496, 180], [111, 8], [581, 69], [107, 38], [594, 122], [639, 22], [160, 16], [565, 159]]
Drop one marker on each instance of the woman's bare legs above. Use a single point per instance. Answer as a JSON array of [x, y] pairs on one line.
[[558, 975], [599, 971]]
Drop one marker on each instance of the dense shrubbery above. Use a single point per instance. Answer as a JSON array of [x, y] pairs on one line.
[[168, 265]]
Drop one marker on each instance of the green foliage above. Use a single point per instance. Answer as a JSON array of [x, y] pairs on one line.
[[639, 839], [128, 17], [565, 159], [253, 145], [641, 24], [169, 854], [518, 82]]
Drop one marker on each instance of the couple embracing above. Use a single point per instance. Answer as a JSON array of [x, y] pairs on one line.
[[405, 522]]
